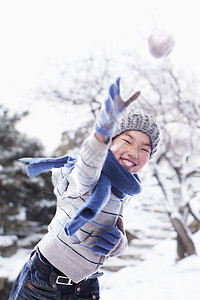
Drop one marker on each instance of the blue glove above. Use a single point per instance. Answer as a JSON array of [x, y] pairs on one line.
[[111, 241], [107, 240], [112, 108]]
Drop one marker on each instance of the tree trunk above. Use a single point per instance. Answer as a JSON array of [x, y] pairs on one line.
[[185, 245]]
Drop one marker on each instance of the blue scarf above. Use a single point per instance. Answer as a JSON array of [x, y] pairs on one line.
[[113, 177]]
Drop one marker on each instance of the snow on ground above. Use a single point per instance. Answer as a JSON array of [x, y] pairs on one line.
[[159, 277], [10, 266]]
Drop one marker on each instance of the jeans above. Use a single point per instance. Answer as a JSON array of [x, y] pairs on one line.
[[32, 283]]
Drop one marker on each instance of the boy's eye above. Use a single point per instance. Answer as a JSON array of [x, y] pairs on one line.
[[126, 141], [143, 149]]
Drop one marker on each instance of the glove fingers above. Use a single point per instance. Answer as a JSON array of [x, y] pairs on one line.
[[108, 104], [114, 89], [113, 106], [98, 250], [107, 240], [114, 231], [104, 244], [118, 83], [105, 236]]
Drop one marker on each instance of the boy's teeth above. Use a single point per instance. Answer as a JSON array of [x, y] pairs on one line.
[[128, 163]]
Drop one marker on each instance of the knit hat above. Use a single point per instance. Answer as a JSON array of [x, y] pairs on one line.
[[133, 119]]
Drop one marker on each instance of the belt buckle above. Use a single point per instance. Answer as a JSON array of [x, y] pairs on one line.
[[64, 280]]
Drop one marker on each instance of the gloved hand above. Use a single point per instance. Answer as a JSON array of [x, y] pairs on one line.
[[111, 241], [111, 109]]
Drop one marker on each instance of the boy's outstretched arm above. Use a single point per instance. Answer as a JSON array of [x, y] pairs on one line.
[[110, 111], [101, 138]]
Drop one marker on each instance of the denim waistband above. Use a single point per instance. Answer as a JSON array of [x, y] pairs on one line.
[[46, 268]]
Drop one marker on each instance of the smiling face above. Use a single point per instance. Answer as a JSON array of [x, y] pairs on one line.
[[132, 149]]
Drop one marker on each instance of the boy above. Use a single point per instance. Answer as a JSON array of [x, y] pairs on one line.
[[92, 190]]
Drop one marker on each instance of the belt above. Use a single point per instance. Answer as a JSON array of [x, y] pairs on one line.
[[46, 268]]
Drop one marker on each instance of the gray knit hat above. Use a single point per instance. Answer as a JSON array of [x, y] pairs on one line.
[[133, 119]]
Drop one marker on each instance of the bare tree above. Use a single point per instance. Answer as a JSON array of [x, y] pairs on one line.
[[83, 84], [174, 101]]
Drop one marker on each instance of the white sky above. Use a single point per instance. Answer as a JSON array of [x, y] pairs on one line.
[[34, 33]]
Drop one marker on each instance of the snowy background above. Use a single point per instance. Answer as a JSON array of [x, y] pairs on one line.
[[37, 34]]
